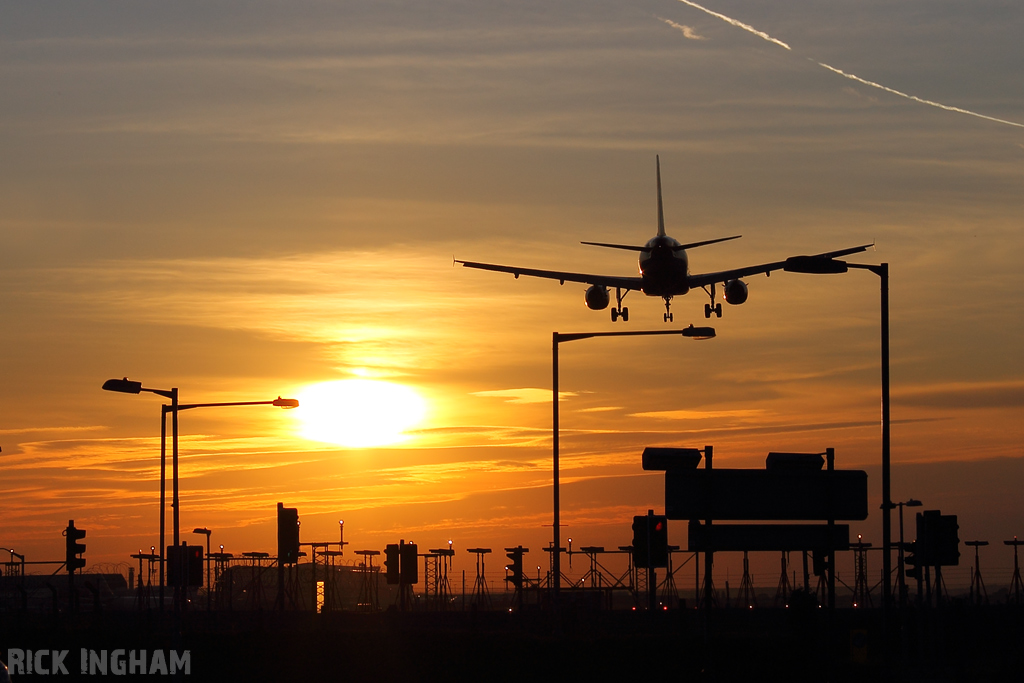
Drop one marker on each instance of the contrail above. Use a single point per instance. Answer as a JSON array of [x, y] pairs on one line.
[[740, 24], [852, 77]]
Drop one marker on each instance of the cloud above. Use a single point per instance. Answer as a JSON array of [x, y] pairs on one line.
[[962, 395], [688, 32], [30, 430], [525, 395], [698, 414]]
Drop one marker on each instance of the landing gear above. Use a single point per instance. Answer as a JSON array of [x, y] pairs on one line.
[[618, 311], [668, 312], [712, 307]]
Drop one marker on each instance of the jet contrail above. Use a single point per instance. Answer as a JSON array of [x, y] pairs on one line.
[[740, 24], [852, 77]]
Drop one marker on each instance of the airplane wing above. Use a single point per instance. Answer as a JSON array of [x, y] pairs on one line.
[[627, 283], [705, 279]]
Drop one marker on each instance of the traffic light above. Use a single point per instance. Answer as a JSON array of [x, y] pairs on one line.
[[641, 542], [658, 536], [187, 559], [650, 540], [516, 568], [287, 534], [72, 548], [912, 562], [410, 568], [391, 563]]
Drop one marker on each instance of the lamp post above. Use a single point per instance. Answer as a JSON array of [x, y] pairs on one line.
[[556, 339], [825, 264], [206, 532], [127, 386]]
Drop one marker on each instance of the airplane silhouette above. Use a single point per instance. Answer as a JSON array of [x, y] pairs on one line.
[[664, 272]]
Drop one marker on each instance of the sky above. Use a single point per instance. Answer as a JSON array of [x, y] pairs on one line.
[[246, 200]]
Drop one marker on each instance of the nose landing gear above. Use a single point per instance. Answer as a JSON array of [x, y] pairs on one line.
[[668, 312]]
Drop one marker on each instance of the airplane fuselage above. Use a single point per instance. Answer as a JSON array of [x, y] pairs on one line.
[[664, 267]]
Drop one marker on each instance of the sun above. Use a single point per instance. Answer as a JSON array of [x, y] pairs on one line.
[[359, 413]]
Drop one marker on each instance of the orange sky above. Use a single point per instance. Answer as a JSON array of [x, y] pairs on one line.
[[243, 209]]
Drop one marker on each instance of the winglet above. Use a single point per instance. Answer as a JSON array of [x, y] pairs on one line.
[[661, 210]]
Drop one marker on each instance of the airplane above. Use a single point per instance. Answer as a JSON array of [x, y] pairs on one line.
[[664, 272]]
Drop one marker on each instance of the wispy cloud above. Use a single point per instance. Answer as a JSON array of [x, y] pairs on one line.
[[34, 430], [961, 395], [699, 414], [688, 31], [525, 395]]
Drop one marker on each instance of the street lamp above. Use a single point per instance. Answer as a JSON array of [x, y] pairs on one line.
[[206, 532], [556, 339], [127, 386], [826, 264]]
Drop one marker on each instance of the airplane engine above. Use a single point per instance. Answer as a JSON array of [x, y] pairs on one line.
[[735, 292], [597, 298]]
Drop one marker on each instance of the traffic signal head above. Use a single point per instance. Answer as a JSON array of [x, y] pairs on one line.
[[912, 562], [650, 540], [391, 563], [658, 537], [72, 547], [641, 542], [184, 565], [410, 568], [287, 534]]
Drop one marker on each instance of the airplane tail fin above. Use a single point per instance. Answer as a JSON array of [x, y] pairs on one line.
[[661, 210]]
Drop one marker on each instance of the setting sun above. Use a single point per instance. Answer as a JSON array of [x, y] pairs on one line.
[[359, 413]]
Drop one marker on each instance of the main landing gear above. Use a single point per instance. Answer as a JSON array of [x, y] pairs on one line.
[[618, 311], [712, 307]]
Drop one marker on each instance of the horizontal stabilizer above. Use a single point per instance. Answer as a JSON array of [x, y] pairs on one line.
[[693, 245], [627, 247]]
